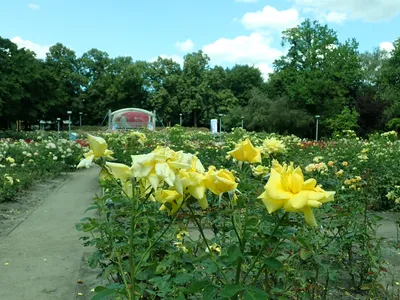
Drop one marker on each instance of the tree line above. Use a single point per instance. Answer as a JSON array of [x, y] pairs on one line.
[[319, 75]]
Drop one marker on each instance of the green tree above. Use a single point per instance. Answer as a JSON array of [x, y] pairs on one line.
[[318, 73], [241, 81], [194, 85], [346, 120], [63, 67], [368, 103], [388, 84], [94, 66], [25, 85], [163, 82]]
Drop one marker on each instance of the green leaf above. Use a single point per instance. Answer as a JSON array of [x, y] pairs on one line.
[[252, 221], [234, 253], [253, 293], [231, 290], [92, 207], [182, 278], [197, 286], [304, 254], [103, 294], [88, 227], [99, 288], [304, 242], [273, 263], [209, 293]]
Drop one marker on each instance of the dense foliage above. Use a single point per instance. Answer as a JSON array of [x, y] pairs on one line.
[[155, 241], [318, 75], [30, 157]]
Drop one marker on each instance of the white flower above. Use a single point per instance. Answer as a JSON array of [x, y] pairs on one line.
[[55, 157], [51, 146]]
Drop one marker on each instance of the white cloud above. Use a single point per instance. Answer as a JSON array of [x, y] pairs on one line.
[[185, 46], [368, 10], [265, 69], [247, 1], [34, 6], [40, 50], [175, 58], [271, 18], [387, 46], [334, 17], [254, 50], [243, 49]]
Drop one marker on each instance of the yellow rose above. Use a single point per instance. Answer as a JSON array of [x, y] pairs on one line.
[[170, 199], [340, 172], [287, 189], [260, 170], [330, 163], [194, 183], [119, 171], [98, 148], [220, 181], [273, 146], [245, 151]]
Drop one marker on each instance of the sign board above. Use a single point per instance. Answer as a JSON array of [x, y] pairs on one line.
[[214, 126], [73, 136]]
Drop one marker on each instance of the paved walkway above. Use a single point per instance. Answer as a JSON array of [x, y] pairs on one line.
[[40, 259]]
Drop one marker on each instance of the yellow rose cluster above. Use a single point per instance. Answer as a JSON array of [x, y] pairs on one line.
[[287, 189], [167, 176]]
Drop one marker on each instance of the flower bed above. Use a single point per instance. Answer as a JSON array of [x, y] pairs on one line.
[[34, 156], [289, 219]]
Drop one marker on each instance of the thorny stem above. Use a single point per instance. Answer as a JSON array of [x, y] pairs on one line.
[[277, 225], [208, 247], [123, 275], [242, 244]]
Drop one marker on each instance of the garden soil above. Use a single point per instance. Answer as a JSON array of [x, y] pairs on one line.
[[40, 251]]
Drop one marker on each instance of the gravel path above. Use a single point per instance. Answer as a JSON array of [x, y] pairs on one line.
[[40, 259]]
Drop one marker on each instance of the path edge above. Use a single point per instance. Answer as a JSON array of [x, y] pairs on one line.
[[69, 176]]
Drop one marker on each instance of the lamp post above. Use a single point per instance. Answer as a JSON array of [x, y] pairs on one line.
[[80, 119], [316, 127], [180, 119], [58, 126], [220, 127], [69, 122], [242, 122]]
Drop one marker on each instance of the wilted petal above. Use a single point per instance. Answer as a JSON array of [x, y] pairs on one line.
[[203, 202], [120, 171], [153, 180], [178, 185], [313, 203], [309, 216], [86, 162]]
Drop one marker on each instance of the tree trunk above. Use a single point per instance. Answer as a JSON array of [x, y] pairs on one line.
[[195, 118]]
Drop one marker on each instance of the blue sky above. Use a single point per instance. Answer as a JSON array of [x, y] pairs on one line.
[[229, 31]]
